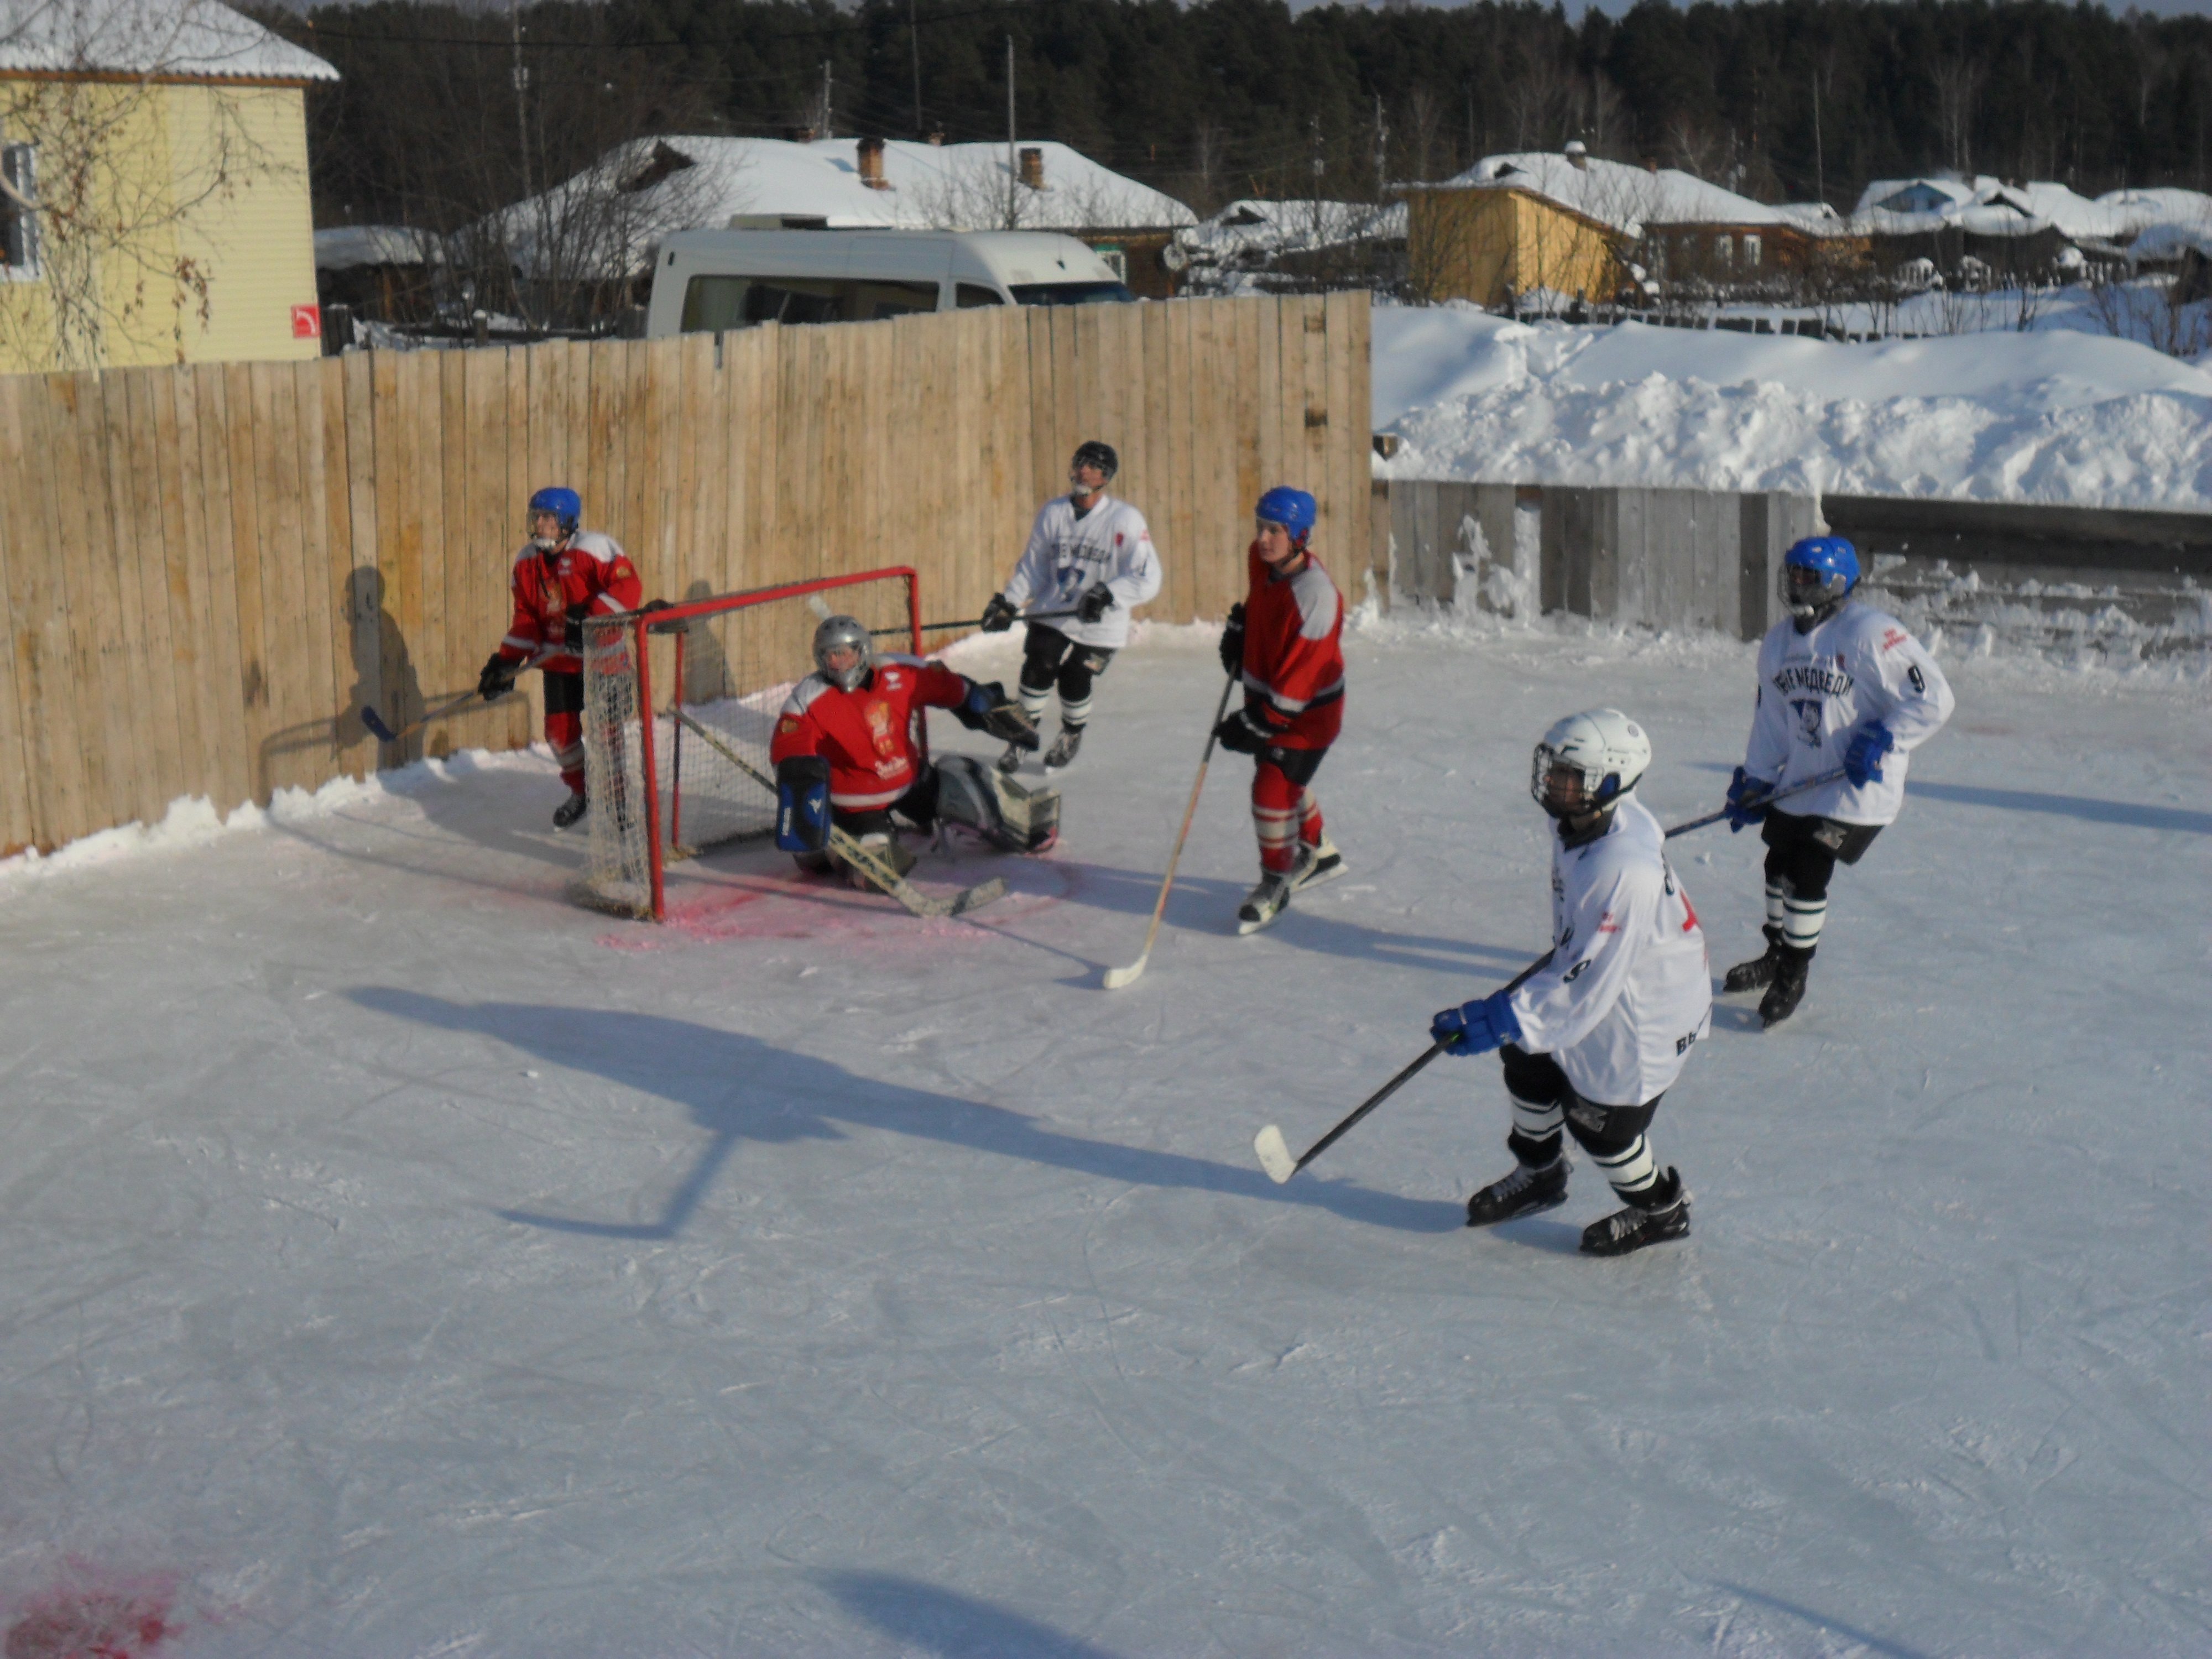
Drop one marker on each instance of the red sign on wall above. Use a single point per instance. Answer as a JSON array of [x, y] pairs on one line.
[[306, 322]]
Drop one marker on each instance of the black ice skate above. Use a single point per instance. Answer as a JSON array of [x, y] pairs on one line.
[[569, 810], [1010, 762], [1064, 748], [1273, 895], [1327, 865], [1530, 1188], [1787, 990], [1758, 973], [1666, 1216]]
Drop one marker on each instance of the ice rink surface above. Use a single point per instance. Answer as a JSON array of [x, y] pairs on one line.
[[402, 1261]]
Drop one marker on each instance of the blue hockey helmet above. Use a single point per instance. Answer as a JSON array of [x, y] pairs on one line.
[[563, 504], [1816, 574], [1293, 509]]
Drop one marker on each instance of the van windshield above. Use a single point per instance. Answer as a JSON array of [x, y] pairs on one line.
[[1067, 294]]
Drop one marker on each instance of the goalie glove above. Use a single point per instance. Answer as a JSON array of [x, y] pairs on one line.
[[802, 803], [1232, 640], [497, 678], [988, 708], [1097, 599], [997, 615]]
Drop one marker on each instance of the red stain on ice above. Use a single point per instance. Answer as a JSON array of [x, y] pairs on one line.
[[125, 1622], [754, 906]]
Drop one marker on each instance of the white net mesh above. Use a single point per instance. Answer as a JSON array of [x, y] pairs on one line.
[[728, 663]]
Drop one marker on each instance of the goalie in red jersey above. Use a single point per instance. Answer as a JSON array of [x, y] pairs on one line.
[[1283, 641], [845, 756]]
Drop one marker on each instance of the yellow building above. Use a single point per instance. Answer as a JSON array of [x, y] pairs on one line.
[[153, 201], [1493, 245]]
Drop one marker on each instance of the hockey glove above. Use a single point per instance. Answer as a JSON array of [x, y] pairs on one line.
[[1477, 1027], [997, 615], [573, 635], [1232, 642], [1862, 759], [1097, 599], [1747, 800], [987, 708], [1242, 735], [654, 607], [802, 803], [497, 678]]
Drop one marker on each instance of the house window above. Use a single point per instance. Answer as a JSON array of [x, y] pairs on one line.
[[1724, 250], [1751, 251], [19, 227]]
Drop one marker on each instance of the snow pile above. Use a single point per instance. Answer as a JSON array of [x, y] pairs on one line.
[[2058, 416]]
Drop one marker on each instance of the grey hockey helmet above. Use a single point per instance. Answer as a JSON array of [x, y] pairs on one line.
[[1588, 762], [843, 634]]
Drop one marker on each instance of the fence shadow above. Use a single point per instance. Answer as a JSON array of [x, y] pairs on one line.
[[739, 1089]]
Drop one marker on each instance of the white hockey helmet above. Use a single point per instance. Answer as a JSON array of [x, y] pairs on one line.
[[843, 634], [1602, 748]]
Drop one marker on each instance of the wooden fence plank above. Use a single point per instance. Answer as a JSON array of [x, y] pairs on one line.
[[19, 783]]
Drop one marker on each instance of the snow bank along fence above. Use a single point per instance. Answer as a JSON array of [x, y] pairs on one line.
[[2124, 584], [211, 569], [1666, 559]]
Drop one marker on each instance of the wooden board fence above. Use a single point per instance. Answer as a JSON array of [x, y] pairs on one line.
[[212, 568]]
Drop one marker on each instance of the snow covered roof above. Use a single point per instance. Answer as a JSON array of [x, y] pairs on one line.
[[1253, 226], [1817, 217], [1932, 195], [686, 182], [2163, 221], [344, 248], [189, 39], [2077, 217], [1627, 198], [1986, 207]]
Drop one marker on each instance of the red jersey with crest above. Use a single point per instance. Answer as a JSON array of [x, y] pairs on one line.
[[1293, 661], [866, 735], [591, 570]]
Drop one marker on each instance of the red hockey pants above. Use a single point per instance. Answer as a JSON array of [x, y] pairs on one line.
[[1285, 810]]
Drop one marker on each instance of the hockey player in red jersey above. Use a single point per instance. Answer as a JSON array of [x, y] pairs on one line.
[[1283, 641], [562, 576], [844, 755]]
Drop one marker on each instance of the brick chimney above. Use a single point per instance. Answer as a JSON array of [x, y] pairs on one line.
[[1033, 168], [872, 164]]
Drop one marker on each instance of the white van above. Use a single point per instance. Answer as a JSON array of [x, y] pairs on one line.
[[708, 281]]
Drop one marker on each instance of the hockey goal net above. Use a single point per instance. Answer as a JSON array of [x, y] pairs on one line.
[[679, 705]]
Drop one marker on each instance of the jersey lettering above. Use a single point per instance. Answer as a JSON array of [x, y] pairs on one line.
[[1814, 677]]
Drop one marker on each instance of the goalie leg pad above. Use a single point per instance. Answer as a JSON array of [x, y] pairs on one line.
[[1012, 818], [802, 803]]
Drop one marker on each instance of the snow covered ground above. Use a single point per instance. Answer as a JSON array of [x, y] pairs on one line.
[[2056, 415], [402, 1261]]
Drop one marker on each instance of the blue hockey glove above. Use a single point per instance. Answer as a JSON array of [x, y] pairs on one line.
[[1477, 1027], [1747, 800], [1862, 760], [988, 708], [802, 803], [1097, 599]]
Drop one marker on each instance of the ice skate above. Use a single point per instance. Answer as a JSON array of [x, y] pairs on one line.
[[571, 811], [1010, 762], [1667, 1217], [1757, 974], [1273, 895], [1327, 865], [1064, 748], [1787, 990], [1528, 1189]]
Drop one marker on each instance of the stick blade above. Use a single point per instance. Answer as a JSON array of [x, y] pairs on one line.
[[377, 728], [1274, 1157], [975, 898], [1118, 977]]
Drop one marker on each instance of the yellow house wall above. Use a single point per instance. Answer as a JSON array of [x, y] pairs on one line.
[[254, 242], [1493, 246]]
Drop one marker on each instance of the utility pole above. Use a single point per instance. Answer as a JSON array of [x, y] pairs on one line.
[[521, 86], [1820, 160], [913, 34], [1382, 147], [829, 125], [1013, 174], [1319, 164]]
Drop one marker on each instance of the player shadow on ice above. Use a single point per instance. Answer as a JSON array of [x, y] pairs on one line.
[[930, 1619], [2133, 815], [740, 1089]]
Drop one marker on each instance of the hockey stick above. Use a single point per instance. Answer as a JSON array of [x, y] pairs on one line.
[[1275, 1155], [1118, 977], [384, 733], [879, 871], [973, 622], [1764, 800]]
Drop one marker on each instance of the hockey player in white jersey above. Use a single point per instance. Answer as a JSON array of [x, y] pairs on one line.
[[1841, 686], [1090, 554], [1594, 1037]]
